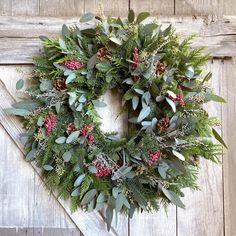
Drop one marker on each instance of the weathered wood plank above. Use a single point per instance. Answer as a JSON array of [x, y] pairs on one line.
[[204, 214], [20, 231], [229, 134], [88, 223], [5, 7], [19, 8], [107, 7], [197, 7], [61, 7], [19, 36], [25, 7], [154, 224], [228, 7], [155, 7]]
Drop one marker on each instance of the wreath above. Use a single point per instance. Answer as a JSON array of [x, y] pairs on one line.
[[163, 86]]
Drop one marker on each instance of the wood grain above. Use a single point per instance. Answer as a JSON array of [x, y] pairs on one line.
[[229, 161], [19, 36], [204, 209], [19, 7], [155, 7], [107, 7], [197, 7], [61, 7], [154, 224]]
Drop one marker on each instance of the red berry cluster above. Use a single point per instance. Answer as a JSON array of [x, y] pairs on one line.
[[179, 98], [73, 64], [153, 156], [135, 62], [101, 169], [85, 130], [49, 122]]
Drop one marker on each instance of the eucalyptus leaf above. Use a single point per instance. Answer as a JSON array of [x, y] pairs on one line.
[[28, 105], [92, 62], [47, 167], [66, 156], [109, 216], [135, 101], [82, 98], [142, 16], [103, 66], [190, 72], [31, 155], [166, 32], [218, 137], [79, 180], [215, 98], [89, 196], [120, 201], [19, 84], [79, 107], [116, 40], [143, 113], [172, 104], [115, 192], [75, 193], [46, 85], [74, 135], [131, 16], [65, 31], [173, 197], [139, 91], [71, 77], [60, 140], [86, 17], [40, 121], [17, 112], [98, 103], [58, 106], [179, 155], [62, 44], [101, 197]]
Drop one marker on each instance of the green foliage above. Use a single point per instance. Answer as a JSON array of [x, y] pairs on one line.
[[162, 81]]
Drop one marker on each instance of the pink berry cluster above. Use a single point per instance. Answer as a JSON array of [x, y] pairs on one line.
[[85, 130], [152, 157], [73, 64], [179, 98], [134, 63], [101, 169], [49, 122]]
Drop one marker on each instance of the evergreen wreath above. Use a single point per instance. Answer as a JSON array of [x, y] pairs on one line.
[[163, 87]]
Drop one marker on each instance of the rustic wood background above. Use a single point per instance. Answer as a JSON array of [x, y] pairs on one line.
[[26, 208]]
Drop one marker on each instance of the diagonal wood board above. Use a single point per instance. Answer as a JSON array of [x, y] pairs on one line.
[[87, 222]]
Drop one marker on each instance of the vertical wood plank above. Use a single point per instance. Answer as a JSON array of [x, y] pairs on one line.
[[25, 7], [5, 8], [108, 7], [61, 7], [197, 7], [154, 224], [228, 7], [204, 209], [155, 7], [19, 7], [229, 134]]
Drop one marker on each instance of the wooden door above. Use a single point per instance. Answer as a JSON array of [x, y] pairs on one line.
[[26, 208]]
